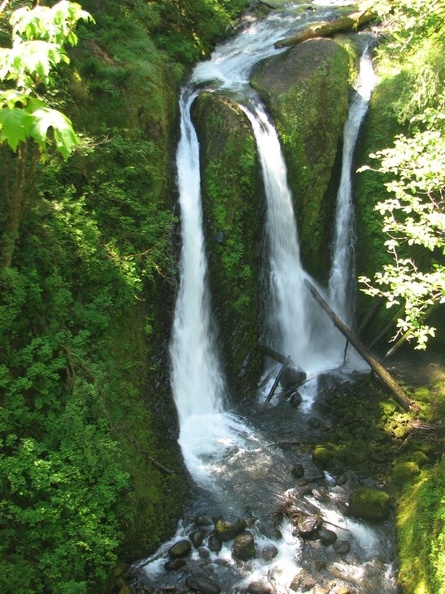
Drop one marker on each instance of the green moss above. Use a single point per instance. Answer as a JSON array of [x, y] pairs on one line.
[[232, 205], [369, 504], [421, 535], [405, 472]]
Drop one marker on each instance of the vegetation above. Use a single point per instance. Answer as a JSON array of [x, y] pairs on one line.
[[409, 167], [91, 466], [413, 215]]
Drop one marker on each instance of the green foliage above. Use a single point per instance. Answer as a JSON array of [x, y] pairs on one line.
[[421, 534], [413, 218], [38, 36]]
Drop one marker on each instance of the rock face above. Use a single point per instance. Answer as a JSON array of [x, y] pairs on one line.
[[233, 215], [306, 90]]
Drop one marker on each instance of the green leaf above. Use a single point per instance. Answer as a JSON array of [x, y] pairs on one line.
[[64, 135], [15, 126]]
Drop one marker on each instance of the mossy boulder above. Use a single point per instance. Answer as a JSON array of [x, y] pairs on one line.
[[322, 455], [307, 91], [233, 209], [405, 472], [369, 504]]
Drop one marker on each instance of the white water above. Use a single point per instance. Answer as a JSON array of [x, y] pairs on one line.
[[342, 270]]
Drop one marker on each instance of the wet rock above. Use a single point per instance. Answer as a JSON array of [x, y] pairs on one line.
[[327, 537], [292, 376], [304, 581], [269, 552], [342, 547], [322, 455], [270, 529], [244, 546], [174, 564], [214, 543], [259, 588], [308, 525], [227, 527], [297, 471], [202, 583], [170, 590], [180, 549], [314, 423], [295, 399], [369, 504], [197, 537], [203, 553]]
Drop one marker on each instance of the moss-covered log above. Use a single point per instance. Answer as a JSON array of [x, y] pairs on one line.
[[345, 24]]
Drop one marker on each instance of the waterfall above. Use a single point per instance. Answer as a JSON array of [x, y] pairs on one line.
[[342, 269], [197, 381], [234, 466]]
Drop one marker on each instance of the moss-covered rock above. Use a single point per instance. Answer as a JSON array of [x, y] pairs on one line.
[[233, 217], [306, 90], [369, 504]]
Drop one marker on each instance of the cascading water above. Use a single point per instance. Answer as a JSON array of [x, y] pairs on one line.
[[342, 269], [226, 457]]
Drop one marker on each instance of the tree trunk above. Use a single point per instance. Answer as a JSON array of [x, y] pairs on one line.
[[348, 23], [384, 375]]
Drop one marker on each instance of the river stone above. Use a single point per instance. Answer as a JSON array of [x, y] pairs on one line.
[[174, 564], [341, 547], [369, 504], [214, 543], [269, 552], [244, 546], [259, 588], [308, 525], [292, 376], [327, 537], [180, 549], [202, 583], [298, 471], [304, 581], [295, 399], [197, 536], [227, 527]]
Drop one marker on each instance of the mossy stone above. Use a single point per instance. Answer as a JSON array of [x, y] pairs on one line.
[[369, 504], [322, 455], [404, 472]]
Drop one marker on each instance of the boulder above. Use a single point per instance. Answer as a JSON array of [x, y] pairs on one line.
[[244, 546], [308, 525], [306, 90], [202, 583], [180, 549], [369, 504], [227, 527], [259, 588]]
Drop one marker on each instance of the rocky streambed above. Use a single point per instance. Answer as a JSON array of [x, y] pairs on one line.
[[309, 509]]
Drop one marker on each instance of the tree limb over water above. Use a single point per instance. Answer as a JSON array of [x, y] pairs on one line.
[[384, 375], [348, 23]]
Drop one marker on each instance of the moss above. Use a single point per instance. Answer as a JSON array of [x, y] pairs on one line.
[[233, 215], [307, 91], [405, 472], [421, 534], [369, 504]]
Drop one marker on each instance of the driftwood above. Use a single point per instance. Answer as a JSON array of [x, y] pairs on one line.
[[272, 353], [351, 22], [277, 379], [384, 375]]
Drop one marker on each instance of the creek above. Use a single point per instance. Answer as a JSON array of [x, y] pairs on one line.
[[248, 463]]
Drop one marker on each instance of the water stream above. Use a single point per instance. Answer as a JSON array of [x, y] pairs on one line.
[[228, 456]]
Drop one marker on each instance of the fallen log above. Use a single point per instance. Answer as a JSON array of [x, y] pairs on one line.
[[383, 374], [351, 22], [277, 379], [272, 353]]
